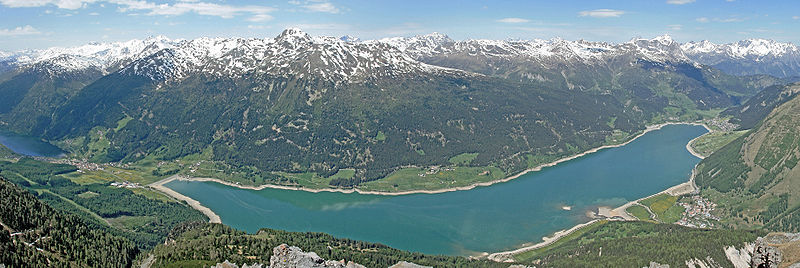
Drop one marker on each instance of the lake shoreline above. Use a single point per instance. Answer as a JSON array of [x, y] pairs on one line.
[[682, 188], [691, 149], [445, 190], [609, 214], [159, 185]]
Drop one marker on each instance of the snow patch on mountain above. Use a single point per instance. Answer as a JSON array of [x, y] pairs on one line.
[[296, 53], [661, 48], [742, 49], [751, 56], [103, 57], [292, 53]]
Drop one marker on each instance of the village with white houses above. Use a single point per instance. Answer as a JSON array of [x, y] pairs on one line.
[[698, 213]]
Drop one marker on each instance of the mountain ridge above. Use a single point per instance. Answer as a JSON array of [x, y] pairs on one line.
[[298, 103], [754, 176], [108, 57]]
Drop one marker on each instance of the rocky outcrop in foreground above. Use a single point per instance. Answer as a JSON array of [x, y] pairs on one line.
[[777, 250], [285, 256], [772, 251]]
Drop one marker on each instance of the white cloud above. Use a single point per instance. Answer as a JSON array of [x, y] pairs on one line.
[[601, 13], [729, 20], [317, 6], [675, 27], [256, 13], [257, 27], [202, 8], [65, 4], [732, 19], [22, 30], [513, 20], [326, 7], [679, 2], [259, 18], [796, 17]]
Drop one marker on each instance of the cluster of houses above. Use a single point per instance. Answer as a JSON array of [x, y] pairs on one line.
[[698, 213], [434, 170], [722, 124], [126, 184], [84, 165]]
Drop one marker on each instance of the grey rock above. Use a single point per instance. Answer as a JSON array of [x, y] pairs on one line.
[[765, 256], [657, 265], [780, 238], [405, 264], [284, 256], [227, 264]]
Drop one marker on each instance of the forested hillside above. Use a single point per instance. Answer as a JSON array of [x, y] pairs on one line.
[[755, 178], [208, 243], [120, 211], [755, 109], [36, 235], [263, 108], [637, 244]]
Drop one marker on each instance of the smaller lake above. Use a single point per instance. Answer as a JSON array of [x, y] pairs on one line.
[[30, 146]]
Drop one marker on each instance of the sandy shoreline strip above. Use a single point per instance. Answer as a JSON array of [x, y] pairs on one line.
[[689, 145], [159, 185], [461, 188], [507, 256]]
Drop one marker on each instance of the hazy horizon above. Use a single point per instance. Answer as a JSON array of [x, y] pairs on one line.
[[64, 23]]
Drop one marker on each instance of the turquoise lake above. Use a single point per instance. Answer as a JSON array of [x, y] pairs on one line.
[[486, 219], [29, 146]]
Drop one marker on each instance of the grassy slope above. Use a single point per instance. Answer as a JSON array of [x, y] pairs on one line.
[[639, 212], [755, 179], [709, 143], [143, 215], [380, 127], [665, 207]]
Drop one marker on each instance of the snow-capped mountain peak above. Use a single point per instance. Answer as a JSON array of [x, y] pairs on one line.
[[349, 38], [742, 49], [293, 35], [750, 56], [103, 57], [294, 52]]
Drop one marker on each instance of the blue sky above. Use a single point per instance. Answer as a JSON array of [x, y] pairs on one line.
[[28, 24]]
